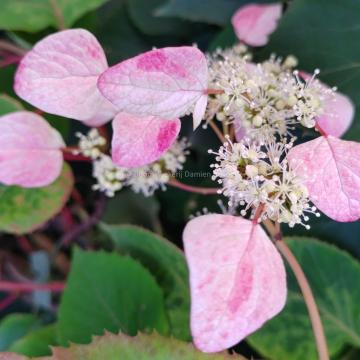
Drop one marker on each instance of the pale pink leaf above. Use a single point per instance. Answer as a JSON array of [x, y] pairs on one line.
[[30, 150], [237, 279], [338, 111], [12, 356], [163, 82], [59, 76], [199, 111], [330, 168], [139, 140], [253, 23]]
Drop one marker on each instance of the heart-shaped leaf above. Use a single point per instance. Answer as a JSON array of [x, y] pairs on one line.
[[120, 295], [30, 150], [253, 23], [337, 299], [138, 141], [24, 210], [237, 279], [164, 82], [330, 169], [59, 76], [166, 262]]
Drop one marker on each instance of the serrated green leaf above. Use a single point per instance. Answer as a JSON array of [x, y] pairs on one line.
[[324, 34], [36, 343], [8, 104], [24, 210], [35, 15], [166, 262], [140, 347], [333, 276], [108, 291], [14, 327]]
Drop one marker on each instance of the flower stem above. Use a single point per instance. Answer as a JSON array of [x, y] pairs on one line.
[[217, 131], [314, 315], [58, 15], [193, 189], [214, 91], [9, 286]]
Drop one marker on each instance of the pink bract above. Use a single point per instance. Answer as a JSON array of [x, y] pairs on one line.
[[139, 141], [237, 279], [59, 76], [164, 82], [338, 112], [30, 150], [253, 23], [330, 168]]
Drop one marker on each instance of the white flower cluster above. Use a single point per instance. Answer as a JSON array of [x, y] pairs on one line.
[[146, 179], [264, 99], [253, 174]]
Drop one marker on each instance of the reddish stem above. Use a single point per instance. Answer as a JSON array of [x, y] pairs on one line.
[[70, 156], [320, 130], [258, 213], [214, 91], [9, 286], [7, 301], [193, 189], [24, 244]]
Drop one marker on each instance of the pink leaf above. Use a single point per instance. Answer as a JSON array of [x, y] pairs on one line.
[[139, 141], [59, 76], [253, 23], [30, 154], [237, 279], [330, 168], [12, 356], [164, 82], [338, 112]]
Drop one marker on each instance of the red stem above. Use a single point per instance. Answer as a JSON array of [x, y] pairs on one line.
[[9, 286], [214, 91], [193, 189], [70, 156], [320, 130], [7, 301]]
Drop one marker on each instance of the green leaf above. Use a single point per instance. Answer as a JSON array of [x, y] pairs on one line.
[[142, 14], [36, 343], [8, 104], [24, 210], [140, 347], [14, 327], [224, 39], [324, 34], [107, 291], [166, 262], [139, 210], [333, 275], [196, 10], [36, 15]]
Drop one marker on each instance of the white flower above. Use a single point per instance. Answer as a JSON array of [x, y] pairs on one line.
[[252, 175], [90, 145]]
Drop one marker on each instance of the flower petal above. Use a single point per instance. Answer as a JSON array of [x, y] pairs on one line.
[[138, 141], [59, 76], [30, 154], [330, 168], [199, 111], [253, 23], [338, 111], [164, 82], [237, 279]]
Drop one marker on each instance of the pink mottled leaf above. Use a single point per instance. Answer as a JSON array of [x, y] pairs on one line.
[[330, 168], [59, 76], [237, 279], [253, 23], [30, 150], [163, 82], [12, 356], [338, 111], [139, 141]]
